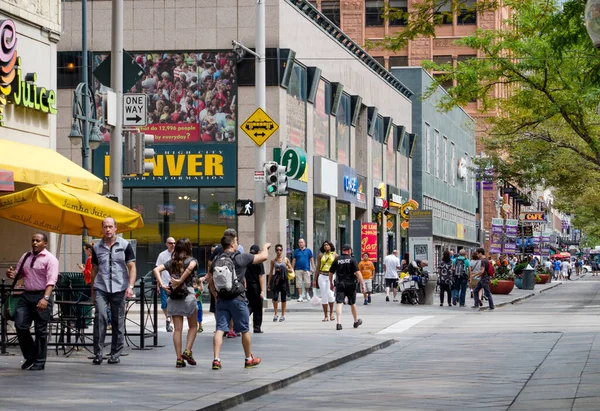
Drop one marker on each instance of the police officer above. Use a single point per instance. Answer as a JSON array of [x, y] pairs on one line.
[[348, 276]]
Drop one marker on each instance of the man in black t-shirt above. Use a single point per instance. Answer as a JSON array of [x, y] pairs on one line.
[[254, 290], [348, 276]]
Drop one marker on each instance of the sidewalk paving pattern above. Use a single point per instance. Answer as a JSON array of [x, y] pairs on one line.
[[301, 353]]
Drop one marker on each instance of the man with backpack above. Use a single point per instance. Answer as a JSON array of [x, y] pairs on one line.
[[461, 278], [226, 279], [486, 274]]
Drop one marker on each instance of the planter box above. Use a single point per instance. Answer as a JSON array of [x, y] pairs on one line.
[[503, 287], [545, 278], [519, 283]]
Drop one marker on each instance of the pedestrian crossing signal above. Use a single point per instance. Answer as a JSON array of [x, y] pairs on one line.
[[244, 207]]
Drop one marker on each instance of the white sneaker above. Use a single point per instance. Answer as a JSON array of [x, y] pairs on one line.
[[300, 299]]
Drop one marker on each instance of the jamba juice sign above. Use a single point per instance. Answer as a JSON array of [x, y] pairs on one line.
[[14, 88]]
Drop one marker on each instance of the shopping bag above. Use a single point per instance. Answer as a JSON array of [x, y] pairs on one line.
[[315, 301]]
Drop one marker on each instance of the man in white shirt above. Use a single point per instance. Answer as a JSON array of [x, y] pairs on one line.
[[166, 279], [564, 270], [391, 264]]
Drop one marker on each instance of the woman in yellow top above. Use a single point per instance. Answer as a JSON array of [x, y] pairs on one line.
[[324, 261]]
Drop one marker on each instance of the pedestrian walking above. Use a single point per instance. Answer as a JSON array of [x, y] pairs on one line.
[[475, 269], [164, 257], [198, 289], [39, 270], [182, 300], [565, 268], [556, 266], [325, 258], [226, 277], [303, 265], [86, 269], [278, 282], [444, 280], [461, 278], [391, 264], [255, 291], [347, 279], [113, 278], [367, 268], [484, 281]]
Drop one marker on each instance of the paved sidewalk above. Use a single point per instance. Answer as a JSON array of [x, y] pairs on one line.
[[148, 380]]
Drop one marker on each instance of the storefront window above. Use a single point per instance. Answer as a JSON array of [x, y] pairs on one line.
[[342, 216], [343, 131], [321, 119], [198, 214], [377, 151], [390, 157], [321, 222], [295, 227], [296, 108]]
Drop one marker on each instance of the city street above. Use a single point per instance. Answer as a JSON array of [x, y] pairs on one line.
[[539, 353]]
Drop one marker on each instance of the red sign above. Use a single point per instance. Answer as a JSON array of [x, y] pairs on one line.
[[368, 240]]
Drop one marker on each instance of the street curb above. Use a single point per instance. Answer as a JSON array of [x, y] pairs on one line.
[[522, 298], [277, 385]]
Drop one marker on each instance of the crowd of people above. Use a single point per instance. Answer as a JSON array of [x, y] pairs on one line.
[[235, 280], [193, 88]]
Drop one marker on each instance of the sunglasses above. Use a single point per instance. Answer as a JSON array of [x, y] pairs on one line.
[[170, 243], [279, 249]]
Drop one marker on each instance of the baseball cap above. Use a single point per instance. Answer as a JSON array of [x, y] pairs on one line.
[[346, 247], [254, 249]]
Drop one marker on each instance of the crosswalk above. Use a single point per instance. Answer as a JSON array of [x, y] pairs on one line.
[[404, 325]]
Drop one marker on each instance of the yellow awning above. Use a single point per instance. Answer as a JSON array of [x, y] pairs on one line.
[[38, 165], [66, 209]]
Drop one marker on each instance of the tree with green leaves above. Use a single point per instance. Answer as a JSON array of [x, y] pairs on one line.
[[546, 77]]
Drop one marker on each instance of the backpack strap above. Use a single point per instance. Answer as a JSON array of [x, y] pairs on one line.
[[20, 270]]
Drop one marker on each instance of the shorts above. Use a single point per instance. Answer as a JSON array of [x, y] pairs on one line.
[[325, 287], [369, 285], [345, 290], [236, 310], [163, 299], [391, 282], [276, 292], [302, 277]]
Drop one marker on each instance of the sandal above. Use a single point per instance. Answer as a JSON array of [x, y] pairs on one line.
[[324, 320], [331, 318]]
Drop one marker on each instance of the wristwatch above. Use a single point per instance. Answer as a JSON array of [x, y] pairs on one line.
[[47, 297], [131, 286]]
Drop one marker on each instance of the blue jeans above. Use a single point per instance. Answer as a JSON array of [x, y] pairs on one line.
[[459, 291], [486, 291]]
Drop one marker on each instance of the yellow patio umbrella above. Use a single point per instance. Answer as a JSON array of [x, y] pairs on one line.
[[66, 209]]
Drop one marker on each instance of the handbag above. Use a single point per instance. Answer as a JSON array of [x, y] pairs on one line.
[[178, 293], [290, 274], [10, 300]]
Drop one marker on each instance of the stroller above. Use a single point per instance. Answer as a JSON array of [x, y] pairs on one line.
[[412, 288]]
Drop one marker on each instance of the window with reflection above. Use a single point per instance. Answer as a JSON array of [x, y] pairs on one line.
[[295, 113], [343, 131], [390, 157], [321, 119], [377, 151]]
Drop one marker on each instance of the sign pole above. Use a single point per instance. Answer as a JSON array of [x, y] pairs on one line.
[[260, 209], [116, 139]]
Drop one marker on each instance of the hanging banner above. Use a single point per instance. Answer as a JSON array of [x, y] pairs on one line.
[[368, 240], [512, 228], [537, 237], [496, 235]]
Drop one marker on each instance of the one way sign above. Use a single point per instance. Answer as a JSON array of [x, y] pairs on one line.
[[135, 110]]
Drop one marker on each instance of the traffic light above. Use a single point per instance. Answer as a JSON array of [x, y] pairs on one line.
[[143, 153], [282, 181], [129, 154], [271, 168]]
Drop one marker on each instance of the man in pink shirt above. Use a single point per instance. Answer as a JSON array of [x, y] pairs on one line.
[[39, 270]]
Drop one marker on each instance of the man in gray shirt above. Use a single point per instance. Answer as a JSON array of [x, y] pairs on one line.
[[113, 278]]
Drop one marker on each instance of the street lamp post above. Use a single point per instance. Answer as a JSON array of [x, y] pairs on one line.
[[84, 114]]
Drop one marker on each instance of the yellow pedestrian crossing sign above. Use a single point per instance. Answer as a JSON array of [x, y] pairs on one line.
[[259, 126]]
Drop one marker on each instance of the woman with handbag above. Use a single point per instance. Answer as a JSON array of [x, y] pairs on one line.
[[182, 298], [325, 258], [278, 281]]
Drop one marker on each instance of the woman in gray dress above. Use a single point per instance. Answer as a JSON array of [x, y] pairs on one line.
[[182, 299]]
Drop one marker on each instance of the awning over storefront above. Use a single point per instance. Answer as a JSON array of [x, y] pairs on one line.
[[38, 165]]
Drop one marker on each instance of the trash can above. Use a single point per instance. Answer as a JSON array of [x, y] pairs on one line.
[[430, 289], [528, 278]]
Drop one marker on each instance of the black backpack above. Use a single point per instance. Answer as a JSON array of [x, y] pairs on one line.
[[460, 271], [445, 273]]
